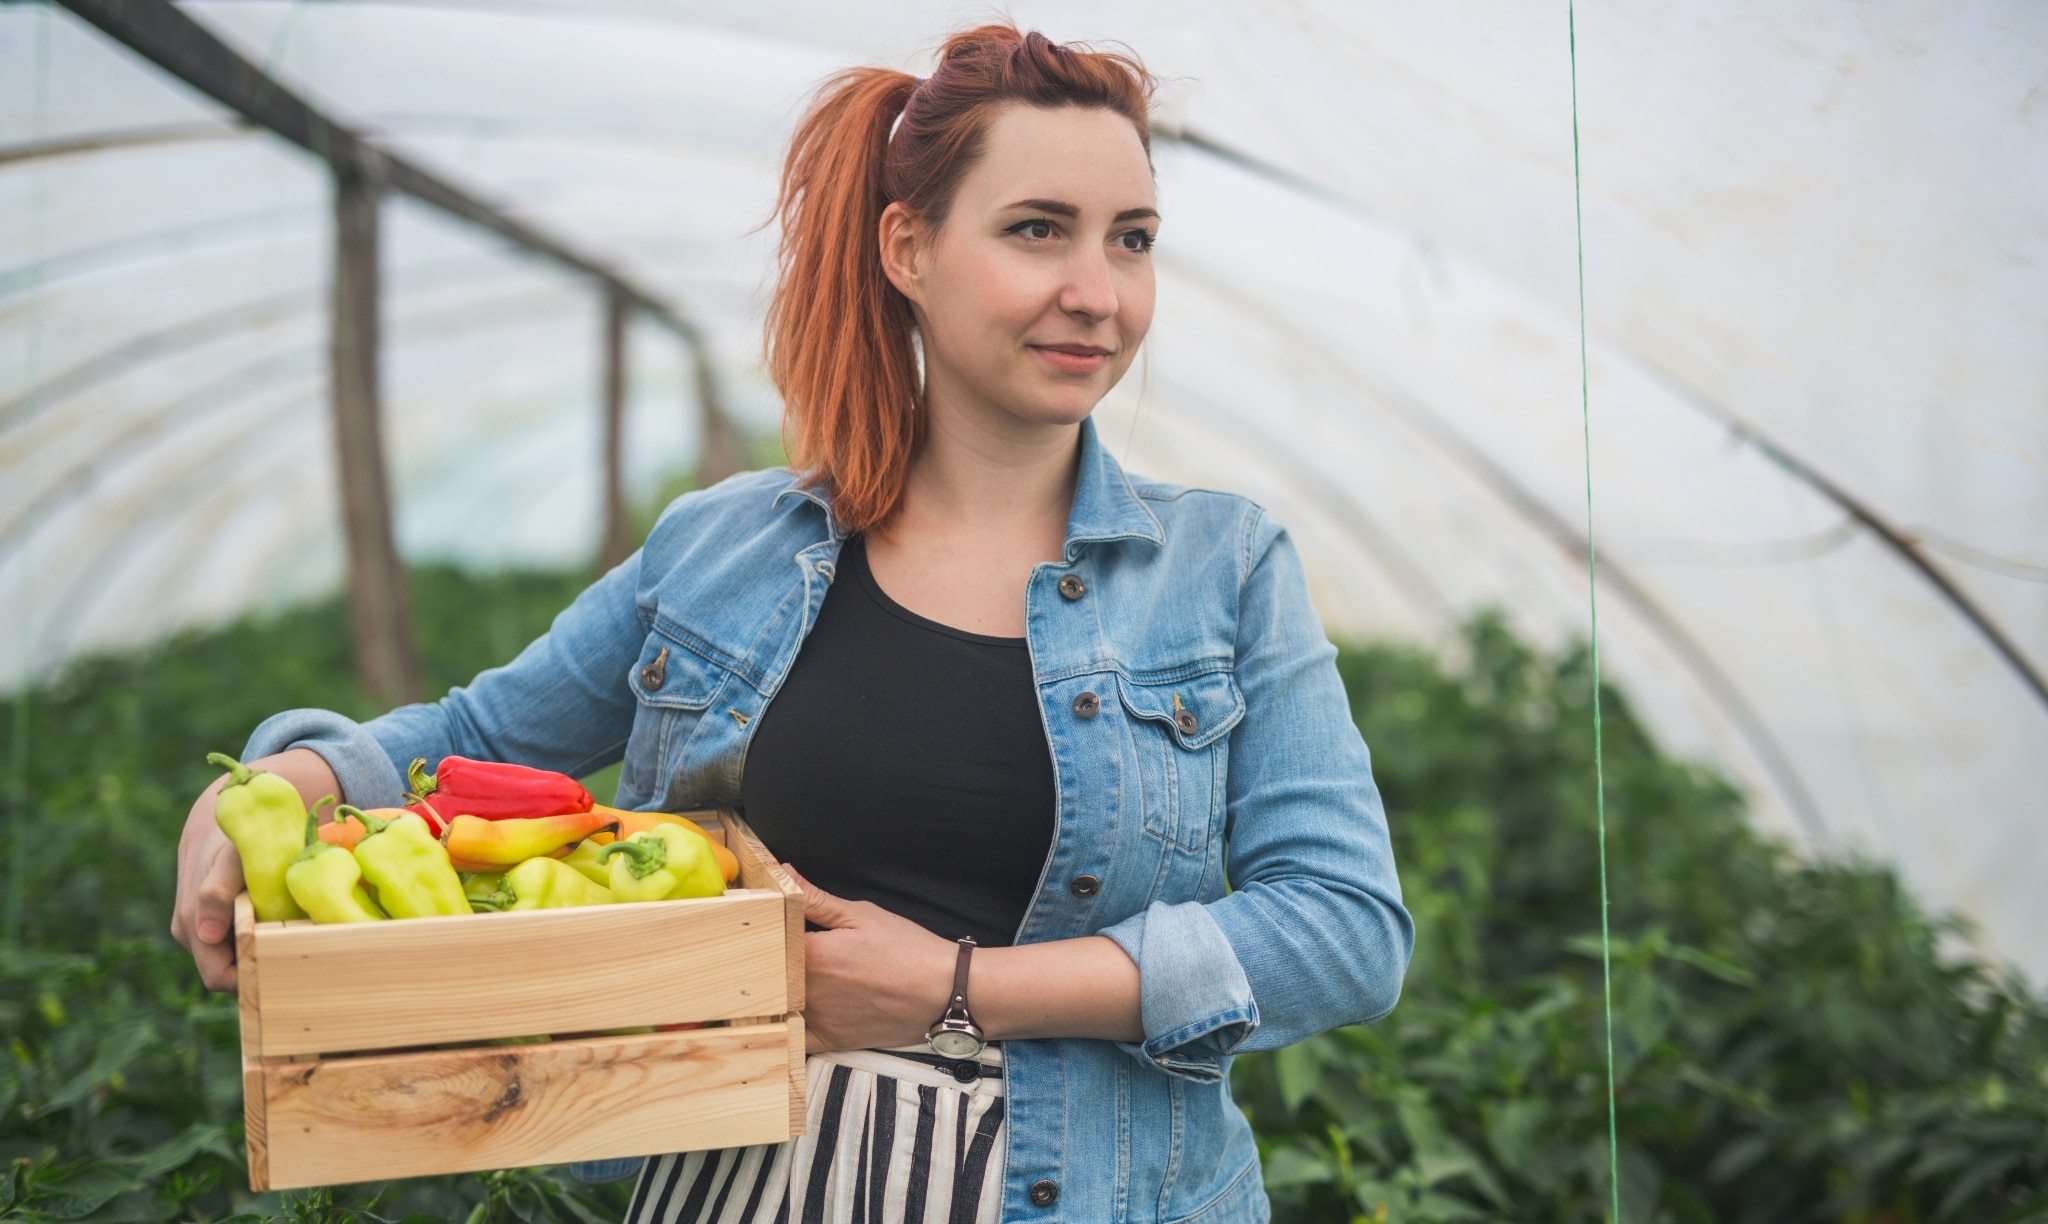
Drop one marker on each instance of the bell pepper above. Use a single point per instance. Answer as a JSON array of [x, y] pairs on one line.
[[493, 845], [263, 815], [663, 864], [545, 883], [346, 833], [328, 884], [407, 867], [587, 858], [639, 822], [494, 790]]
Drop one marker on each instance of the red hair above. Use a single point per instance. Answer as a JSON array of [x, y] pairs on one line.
[[840, 343]]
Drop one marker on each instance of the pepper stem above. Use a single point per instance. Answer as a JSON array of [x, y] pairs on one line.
[[492, 902], [238, 773], [417, 777], [313, 843], [371, 824], [644, 858]]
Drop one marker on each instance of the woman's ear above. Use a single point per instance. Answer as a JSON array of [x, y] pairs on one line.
[[902, 249]]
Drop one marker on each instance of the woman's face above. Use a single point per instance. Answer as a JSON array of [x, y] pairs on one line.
[[1034, 294]]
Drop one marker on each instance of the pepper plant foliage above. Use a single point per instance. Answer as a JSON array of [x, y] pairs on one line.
[[1794, 1041]]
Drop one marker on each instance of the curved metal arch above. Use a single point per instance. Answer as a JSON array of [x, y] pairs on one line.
[[1525, 504], [1898, 541], [209, 398]]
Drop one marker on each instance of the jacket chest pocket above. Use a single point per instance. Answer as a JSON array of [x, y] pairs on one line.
[[1178, 729], [675, 687]]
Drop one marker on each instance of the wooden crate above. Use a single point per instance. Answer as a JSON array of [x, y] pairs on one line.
[[337, 1087]]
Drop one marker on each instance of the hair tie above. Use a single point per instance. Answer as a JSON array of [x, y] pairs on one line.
[[898, 121]]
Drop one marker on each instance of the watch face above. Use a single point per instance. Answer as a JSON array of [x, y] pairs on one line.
[[952, 1043]]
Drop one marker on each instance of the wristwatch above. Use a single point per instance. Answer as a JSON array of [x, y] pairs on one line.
[[956, 1035]]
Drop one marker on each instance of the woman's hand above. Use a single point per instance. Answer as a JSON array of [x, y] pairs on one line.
[[874, 979], [210, 872]]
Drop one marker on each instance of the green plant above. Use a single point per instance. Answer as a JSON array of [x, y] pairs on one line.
[[1792, 1040]]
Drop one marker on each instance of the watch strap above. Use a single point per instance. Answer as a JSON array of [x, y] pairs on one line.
[[960, 964]]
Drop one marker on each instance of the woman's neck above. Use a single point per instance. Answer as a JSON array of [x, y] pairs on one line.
[[1004, 478]]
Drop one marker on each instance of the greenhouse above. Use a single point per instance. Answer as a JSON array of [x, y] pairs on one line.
[[343, 343]]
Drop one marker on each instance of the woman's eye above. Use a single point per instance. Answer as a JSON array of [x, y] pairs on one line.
[[1038, 230], [1136, 240]]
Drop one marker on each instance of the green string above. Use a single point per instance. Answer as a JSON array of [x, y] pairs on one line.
[[1593, 614]]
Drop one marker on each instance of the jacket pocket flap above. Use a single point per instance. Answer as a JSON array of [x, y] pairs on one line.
[[671, 675], [1197, 710]]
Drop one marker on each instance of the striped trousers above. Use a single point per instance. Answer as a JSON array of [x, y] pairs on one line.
[[894, 1137]]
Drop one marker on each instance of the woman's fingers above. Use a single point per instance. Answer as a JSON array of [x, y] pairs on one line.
[[821, 907], [215, 908]]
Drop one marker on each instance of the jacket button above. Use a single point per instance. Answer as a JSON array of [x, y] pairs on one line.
[[1045, 1192], [1087, 705], [1187, 722], [651, 675], [1085, 886], [1071, 587]]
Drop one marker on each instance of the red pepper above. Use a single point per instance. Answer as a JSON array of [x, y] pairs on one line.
[[492, 790]]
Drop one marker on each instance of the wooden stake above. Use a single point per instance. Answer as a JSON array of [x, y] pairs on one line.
[[380, 612]]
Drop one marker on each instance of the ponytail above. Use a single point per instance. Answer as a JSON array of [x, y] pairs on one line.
[[839, 334], [841, 347]]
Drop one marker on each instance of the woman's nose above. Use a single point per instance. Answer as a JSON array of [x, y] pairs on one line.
[[1089, 290]]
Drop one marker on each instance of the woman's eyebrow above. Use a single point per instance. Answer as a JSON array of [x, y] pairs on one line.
[[1060, 208]]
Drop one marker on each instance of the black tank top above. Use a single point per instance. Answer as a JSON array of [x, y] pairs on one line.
[[903, 762]]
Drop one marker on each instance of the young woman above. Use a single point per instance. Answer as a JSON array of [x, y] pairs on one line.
[[974, 682]]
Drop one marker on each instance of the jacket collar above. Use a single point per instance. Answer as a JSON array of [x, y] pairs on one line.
[[1105, 505]]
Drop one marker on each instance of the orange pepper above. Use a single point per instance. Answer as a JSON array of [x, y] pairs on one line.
[[346, 833], [494, 845], [639, 822]]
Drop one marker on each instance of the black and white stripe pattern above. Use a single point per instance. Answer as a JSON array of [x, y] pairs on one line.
[[891, 1140]]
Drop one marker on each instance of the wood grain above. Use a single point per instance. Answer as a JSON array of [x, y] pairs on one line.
[[409, 1115], [799, 1105], [424, 981], [255, 1123], [762, 870]]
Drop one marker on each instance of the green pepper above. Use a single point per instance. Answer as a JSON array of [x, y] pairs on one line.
[[545, 883], [263, 815], [588, 860], [481, 884], [328, 883], [407, 867], [663, 863]]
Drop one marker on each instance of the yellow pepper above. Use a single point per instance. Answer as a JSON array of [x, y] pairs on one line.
[[263, 815], [327, 882], [408, 868], [663, 864]]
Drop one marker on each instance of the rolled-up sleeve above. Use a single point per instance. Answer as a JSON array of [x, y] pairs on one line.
[[1313, 934], [563, 704]]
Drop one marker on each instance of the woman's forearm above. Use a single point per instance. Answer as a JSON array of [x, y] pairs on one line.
[[1084, 987]]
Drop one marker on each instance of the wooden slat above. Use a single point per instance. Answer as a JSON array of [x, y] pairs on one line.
[[799, 1109], [762, 870], [410, 1115], [425, 981], [248, 987], [255, 1121]]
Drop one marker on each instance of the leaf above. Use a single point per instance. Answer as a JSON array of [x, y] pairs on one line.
[[1293, 1166], [1299, 1068], [117, 1048]]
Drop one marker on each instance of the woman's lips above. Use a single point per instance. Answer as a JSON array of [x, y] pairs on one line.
[[1072, 358]]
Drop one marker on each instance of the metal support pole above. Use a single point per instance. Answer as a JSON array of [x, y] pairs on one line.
[[615, 545], [380, 612]]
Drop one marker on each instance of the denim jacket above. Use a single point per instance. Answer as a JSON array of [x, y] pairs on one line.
[[1216, 815]]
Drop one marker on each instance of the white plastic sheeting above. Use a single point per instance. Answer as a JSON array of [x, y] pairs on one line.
[[1826, 221]]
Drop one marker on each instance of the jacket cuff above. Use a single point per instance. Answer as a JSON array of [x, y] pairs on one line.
[[1196, 1001], [367, 776]]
